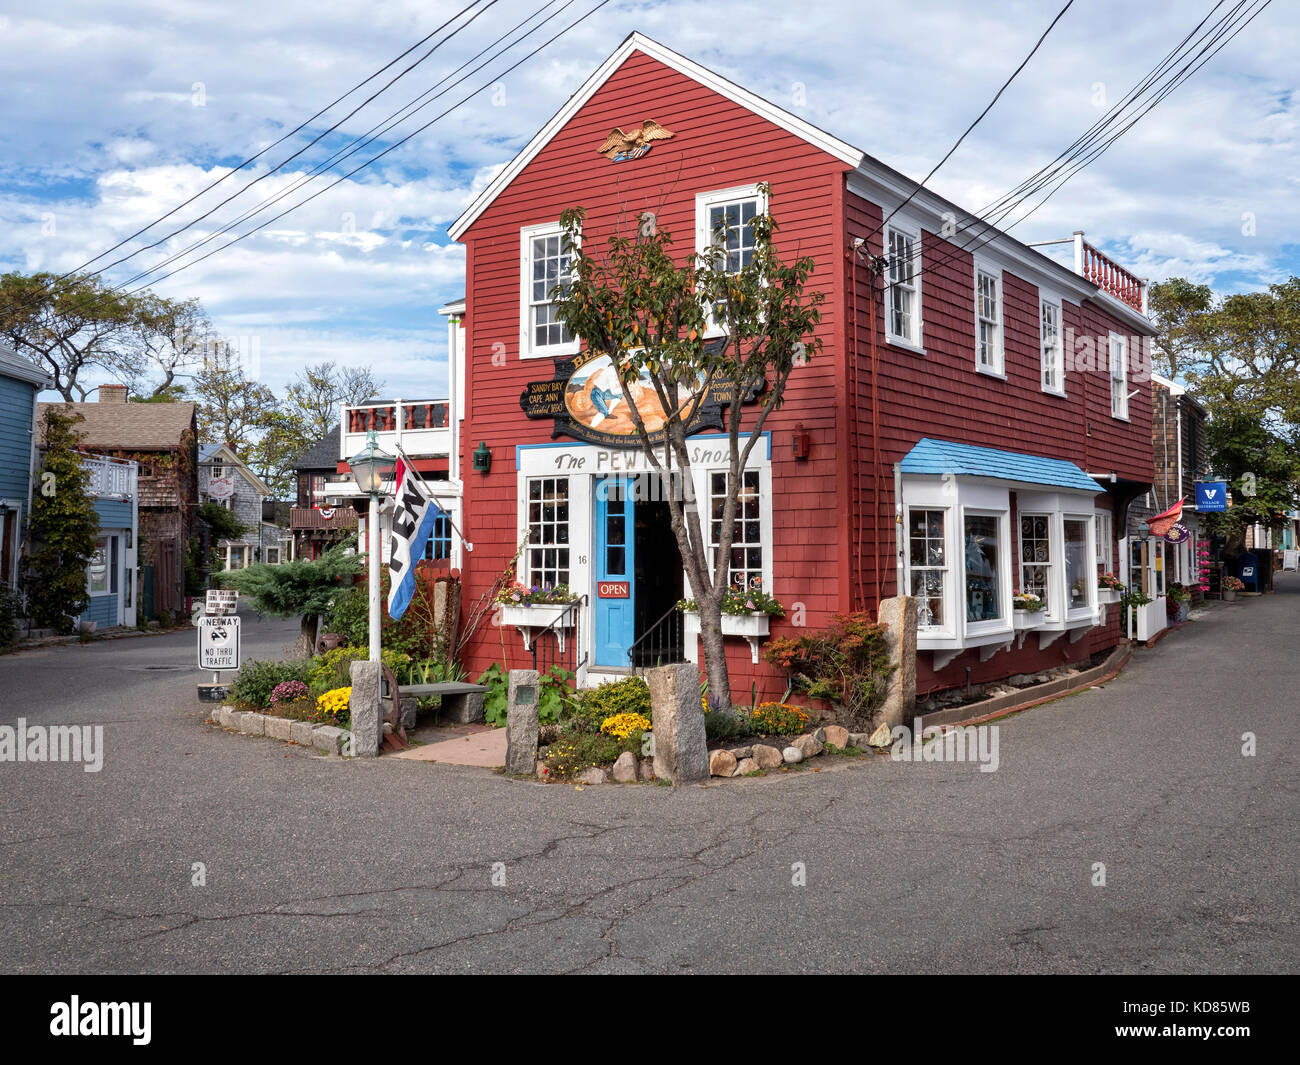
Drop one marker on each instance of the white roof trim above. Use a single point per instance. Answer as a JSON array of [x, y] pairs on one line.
[[223, 456], [638, 42]]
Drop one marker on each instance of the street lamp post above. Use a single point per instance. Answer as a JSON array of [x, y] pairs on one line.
[[371, 468]]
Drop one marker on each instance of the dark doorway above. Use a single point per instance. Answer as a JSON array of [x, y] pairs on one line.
[[658, 573]]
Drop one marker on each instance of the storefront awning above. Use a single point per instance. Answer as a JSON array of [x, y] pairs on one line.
[[938, 457]]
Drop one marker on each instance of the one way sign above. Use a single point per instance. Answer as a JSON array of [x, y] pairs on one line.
[[1211, 495]]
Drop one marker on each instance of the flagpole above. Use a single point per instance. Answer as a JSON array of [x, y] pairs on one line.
[[411, 466]]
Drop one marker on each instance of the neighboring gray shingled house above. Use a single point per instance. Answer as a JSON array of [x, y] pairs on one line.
[[224, 479]]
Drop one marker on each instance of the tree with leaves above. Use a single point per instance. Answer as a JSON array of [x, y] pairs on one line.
[[1239, 355], [318, 393], [650, 313], [304, 588], [62, 529]]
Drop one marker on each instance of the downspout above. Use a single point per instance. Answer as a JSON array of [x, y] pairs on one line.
[[900, 548], [875, 436], [851, 375]]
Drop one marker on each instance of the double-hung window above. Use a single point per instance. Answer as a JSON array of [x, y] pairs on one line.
[[1102, 532], [927, 565], [1036, 557], [1118, 376], [545, 273], [1052, 347], [746, 565], [903, 308], [988, 320], [724, 222], [548, 531], [1079, 576]]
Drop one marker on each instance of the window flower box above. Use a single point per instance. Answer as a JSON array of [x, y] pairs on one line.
[[1106, 596], [531, 617], [1027, 619], [752, 626]]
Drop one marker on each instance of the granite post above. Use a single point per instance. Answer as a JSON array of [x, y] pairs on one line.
[[521, 723], [681, 749], [898, 615], [364, 709]]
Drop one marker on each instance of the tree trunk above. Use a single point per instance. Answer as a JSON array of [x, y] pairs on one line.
[[305, 646], [715, 656]]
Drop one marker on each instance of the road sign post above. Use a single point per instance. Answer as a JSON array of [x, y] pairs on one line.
[[218, 650]]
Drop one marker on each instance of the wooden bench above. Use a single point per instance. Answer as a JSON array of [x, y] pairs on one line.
[[461, 702]]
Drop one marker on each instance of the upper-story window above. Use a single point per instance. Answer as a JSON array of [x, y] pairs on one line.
[[545, 267], [217, 471], [725, 220], [1052, 346], [903, 313], [988, 320], [1118, 376]]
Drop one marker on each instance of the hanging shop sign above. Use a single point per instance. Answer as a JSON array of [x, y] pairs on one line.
[[585, 401], [1178, 534], [1211, 496]]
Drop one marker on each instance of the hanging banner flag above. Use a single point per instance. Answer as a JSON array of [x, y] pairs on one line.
[[1178, 534], [1164, 521], [414, 512]]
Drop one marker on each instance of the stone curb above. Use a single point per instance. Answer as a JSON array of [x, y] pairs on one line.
[[328, 739]]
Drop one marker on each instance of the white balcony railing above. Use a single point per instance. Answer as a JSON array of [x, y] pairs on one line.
[[111, 478], [420, 428]]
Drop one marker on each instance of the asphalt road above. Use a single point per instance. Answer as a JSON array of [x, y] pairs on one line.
[[321, 864]]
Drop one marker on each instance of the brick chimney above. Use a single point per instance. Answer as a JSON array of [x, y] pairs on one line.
[[112, 393]]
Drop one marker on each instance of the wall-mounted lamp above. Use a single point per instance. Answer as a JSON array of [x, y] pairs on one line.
[[483, 457], [802, 442]]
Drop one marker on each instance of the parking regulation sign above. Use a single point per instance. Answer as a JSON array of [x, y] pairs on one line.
[[219, 643]]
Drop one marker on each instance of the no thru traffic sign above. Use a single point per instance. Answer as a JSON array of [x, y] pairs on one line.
[[219, 643]]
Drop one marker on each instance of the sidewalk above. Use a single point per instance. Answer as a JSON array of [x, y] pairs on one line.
[[477, 745]]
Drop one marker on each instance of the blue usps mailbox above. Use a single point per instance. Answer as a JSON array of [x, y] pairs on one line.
[[1250, 571], [1211, 496]]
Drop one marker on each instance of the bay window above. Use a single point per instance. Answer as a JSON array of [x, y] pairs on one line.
[[982, 564], [927, 566], [1036, 557]]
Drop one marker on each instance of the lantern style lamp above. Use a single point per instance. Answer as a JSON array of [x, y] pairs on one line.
[[371, 468]]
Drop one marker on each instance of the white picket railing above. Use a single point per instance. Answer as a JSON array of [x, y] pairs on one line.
[[111, 477]]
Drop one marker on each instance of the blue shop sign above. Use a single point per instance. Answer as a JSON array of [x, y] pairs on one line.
[[1211, 495]]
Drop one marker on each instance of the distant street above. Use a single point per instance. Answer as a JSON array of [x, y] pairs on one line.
[[316, 864]]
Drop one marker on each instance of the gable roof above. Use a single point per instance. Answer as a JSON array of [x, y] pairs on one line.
[[322, 455], [966, 460], [131, 426], [225, 455], [886, 185], [23, 369]]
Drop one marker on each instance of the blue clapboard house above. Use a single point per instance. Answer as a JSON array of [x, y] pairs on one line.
[[20, 382], [111, 574]]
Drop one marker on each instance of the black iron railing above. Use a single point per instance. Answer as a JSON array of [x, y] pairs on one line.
[[662, 644], [558, 643]]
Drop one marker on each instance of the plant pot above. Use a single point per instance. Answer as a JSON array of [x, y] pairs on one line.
[[1106, 596], [1229, 595]]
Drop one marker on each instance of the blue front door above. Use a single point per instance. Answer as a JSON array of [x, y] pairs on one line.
[[614, 599]]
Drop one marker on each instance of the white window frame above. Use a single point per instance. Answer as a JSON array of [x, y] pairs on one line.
[[996, 364], [1057, 356], [528, 348], [764, 544], [1090, 575], [704, 203], [1118, 384], [1102, 543], [1050, 605], [529, 577], [1003, 517], [947, 628], [107, 541], [915, 342]]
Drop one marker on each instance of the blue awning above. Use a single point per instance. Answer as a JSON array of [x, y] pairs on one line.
[[938, 457]]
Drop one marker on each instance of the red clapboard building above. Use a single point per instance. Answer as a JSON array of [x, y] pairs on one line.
[[974, 427]]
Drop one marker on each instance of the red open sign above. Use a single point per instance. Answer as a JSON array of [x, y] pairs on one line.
[[612, 590]]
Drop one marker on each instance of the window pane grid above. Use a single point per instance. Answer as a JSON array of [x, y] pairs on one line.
[[548, 531], [1036, 556], [1051, 348], [927, 564], [902, 279], [745, 569], [550, 268]]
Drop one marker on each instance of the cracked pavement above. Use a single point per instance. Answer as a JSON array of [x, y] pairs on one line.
[[318, 864]]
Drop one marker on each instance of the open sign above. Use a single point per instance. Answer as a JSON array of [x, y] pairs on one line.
[[612, 590]]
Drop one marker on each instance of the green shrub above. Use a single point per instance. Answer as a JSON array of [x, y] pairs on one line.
[[418, 632], [9, 612], [630, 696], [722, 727], [257, 680], [575, 751], [497, 697], [333, 669]]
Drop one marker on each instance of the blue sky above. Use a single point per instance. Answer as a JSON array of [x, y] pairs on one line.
[[117, 112]]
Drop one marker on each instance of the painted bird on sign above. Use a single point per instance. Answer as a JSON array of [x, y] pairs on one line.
[[620, 146]]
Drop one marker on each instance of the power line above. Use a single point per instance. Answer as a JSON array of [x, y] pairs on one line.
[[393, 147], [977, 121]]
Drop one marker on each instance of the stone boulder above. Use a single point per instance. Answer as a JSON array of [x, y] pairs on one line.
[[837, 736], [742, 753], [766, 757], [625, 768], [882, 737], [745, 766], [721, 763], [647, 769], [809, 745], [792, 755], [594, 775]]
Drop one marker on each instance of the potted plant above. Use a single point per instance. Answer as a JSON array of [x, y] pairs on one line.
[[1109, 588], [1178, 603], [1230, 587], [1027, 610]]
